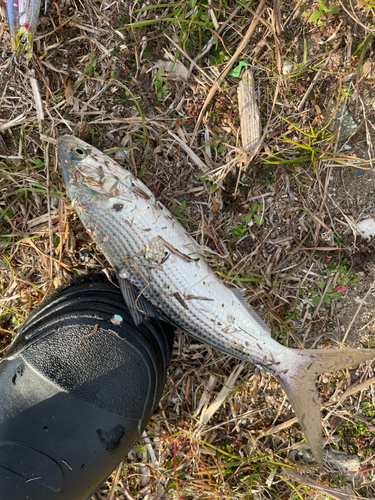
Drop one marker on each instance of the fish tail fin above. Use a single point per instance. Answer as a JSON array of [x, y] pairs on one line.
[[298, 383]]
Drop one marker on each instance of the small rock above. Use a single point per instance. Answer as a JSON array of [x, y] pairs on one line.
[[358, 172], [343, 117], [367, 228], [155, 250], [367, 69], [85, 257], [175, 398], [344, 463], [120, 155], [287, 67]]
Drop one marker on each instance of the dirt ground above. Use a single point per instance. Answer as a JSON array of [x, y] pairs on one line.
[[279, 221]]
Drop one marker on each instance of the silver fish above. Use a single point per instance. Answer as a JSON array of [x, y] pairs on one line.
[[145, 245]]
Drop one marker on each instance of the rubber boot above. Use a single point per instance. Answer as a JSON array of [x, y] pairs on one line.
[[77, 387]]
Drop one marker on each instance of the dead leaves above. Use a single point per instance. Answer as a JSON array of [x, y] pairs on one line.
[[68, 90]]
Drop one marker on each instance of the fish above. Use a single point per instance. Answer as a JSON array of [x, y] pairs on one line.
[[162, 272], [23, 16]]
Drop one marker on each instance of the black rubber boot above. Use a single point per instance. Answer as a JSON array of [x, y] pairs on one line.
[[77, 387]]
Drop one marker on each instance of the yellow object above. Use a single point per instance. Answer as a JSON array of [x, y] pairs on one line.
[[22, 43]]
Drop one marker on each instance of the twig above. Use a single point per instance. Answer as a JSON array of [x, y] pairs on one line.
[[189, 59], [311, 86], [189, 151], [336, 493], [38, 102], [371, 289], [316, 78], [352, 390], [322, 297], [111, 495], [233, 59], [213, 39], [11, 205], [48, 186], [126, 491], [150, 449], [16, 121]]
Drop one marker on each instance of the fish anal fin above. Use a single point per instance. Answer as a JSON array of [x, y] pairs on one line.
[[298, 382], [240, 296]]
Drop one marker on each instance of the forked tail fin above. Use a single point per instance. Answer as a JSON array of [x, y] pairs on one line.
[[299, 385]]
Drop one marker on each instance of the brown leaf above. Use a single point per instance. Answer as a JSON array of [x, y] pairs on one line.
[[68, 90], [336, 421], [81, 130]]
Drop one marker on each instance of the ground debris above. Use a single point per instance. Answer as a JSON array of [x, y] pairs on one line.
[[249, 112], [280, 224]]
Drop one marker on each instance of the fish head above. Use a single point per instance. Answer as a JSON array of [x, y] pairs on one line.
[[82, 169], [75, 159], [85, 166]]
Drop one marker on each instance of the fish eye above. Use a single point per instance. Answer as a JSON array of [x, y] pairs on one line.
[[77, 153]]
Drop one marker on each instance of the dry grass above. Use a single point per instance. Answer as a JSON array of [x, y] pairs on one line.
[[279, 220]]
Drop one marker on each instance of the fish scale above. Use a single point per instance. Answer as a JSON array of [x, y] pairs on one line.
[[128, 224], [103, 221], [127, 242]]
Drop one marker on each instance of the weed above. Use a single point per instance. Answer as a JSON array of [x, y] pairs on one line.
[[356, 438], [178, 210], [338, 480], [38, 164], [92, 135], [324, 12], [218, 57], [254, 216], [346, 273], [338, 240], [345, 93], [327, 294], [211, 186], [216, 148], [256, 213], [368, 409], [240, 231], [91, 67], [160, 86]]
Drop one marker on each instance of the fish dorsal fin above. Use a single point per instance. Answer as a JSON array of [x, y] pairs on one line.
[[139, 307], [241, 297]]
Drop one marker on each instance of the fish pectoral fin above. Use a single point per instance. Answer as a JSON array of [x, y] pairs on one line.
[[300, 387], [139, 307]]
